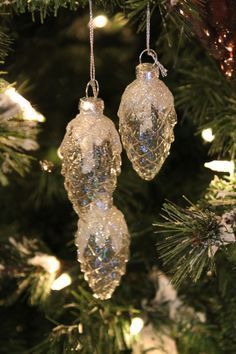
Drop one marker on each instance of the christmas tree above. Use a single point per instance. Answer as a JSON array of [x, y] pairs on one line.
[[178, 292]]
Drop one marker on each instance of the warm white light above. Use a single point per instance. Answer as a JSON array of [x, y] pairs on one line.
[[136, 325], [207, 135], [28, 112], [100, 21], [207, 32], [61, 282], [229, 48], [53, 265], [228, 73], [59, 154], [221, 166], [50, 263]]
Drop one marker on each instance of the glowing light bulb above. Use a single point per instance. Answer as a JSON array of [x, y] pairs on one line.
[[50, 263], [228, 73], [100, 21], [221, 166], [59, 154], [207, 135], [28, 112], [53, 265], [61, 282], [80, 328], [136, 325], [229, 48]]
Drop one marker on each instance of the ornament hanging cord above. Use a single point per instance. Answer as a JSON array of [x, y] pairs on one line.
[[148, 50], [148, 24], [93, 82]]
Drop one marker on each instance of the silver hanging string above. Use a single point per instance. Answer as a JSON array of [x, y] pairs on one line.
[[149, 51], [148, 21], [93, 82]]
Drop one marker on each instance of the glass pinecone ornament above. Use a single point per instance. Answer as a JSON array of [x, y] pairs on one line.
[[147, 118], [103, 242], [90, 154]]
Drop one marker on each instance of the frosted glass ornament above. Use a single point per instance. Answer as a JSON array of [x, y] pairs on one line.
[[147, 118], [90, 154], [103, 242]]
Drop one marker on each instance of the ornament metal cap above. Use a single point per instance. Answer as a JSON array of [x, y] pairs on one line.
[[147, 71], [91, 105], [157, 65]]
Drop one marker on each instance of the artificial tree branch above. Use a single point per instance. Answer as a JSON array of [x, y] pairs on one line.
[[190, 239]]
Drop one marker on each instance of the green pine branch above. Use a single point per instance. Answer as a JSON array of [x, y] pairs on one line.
[[208, 99], [187, 238], [43, 7], [133, 8], [5, 43], [98, 327], [19, 265], [221, 193], [48, 7]]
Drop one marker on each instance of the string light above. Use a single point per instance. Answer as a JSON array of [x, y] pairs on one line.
[[136, 326], [61, 282], [59, 154], [207, 135], [27, 111], [207, 32], [221, 166], [80, 328], [100, 21], [50, 263]]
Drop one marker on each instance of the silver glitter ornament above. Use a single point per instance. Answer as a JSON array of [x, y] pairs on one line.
[[90, 154], [103, 242], [147, 118]]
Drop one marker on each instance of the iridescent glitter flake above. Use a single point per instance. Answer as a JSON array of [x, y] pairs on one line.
[[90, 155], [103, 242], [147, 118]]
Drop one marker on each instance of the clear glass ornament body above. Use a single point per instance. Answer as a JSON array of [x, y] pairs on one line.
[[103, 242], [147, 118], [90, 153]]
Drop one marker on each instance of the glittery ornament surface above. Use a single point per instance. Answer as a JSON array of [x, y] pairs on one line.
[[216, 30], [90, 155], [147, 118], [103, 241]]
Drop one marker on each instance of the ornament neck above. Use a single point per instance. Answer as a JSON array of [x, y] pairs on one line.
[[146, 71], [91, 105]]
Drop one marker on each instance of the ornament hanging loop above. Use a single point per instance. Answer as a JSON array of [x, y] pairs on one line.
[[95, 88], [151, 53]]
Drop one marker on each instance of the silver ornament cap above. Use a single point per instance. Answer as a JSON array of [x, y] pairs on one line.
[[91, 105], [147, 71]]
